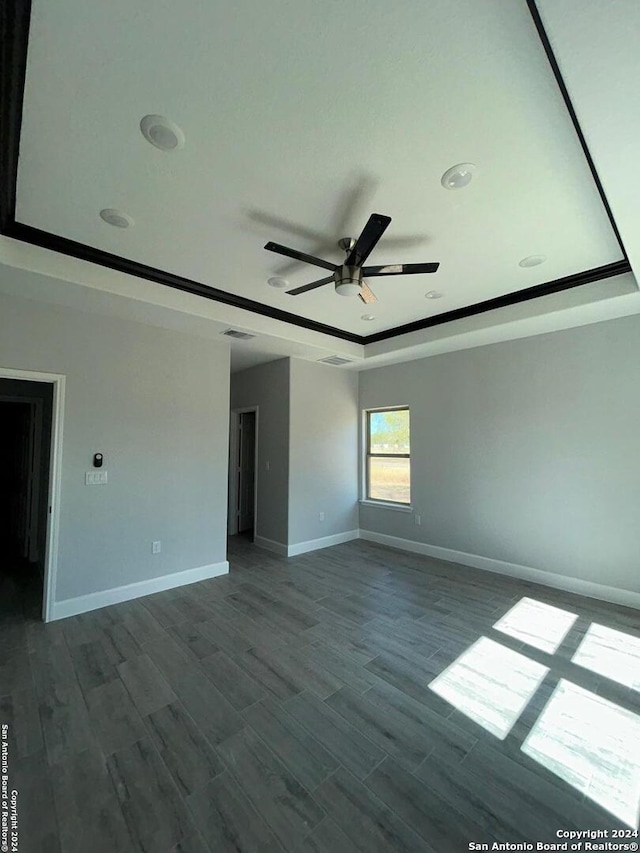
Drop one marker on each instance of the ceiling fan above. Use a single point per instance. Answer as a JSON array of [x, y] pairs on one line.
[[348, 277]]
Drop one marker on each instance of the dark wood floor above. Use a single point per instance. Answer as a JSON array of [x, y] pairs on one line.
[[284, 707]]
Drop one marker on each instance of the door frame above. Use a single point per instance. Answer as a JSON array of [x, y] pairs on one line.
[[232, 527], [55, 478]]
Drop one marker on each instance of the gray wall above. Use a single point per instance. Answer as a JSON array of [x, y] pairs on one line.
[[156, 403], [323, 462], [267, 386], [525, 451]]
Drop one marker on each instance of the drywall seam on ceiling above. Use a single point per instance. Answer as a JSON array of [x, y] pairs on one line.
[[14, 24]]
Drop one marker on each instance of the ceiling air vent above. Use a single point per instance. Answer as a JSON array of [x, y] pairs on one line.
[[334, 359], [238, 335]]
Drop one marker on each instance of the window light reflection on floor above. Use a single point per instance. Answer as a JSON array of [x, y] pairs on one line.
[[589, 742], [491, 684], [539, 625], [611, 653]]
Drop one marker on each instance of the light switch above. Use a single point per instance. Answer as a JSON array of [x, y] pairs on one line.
[[95, 478]]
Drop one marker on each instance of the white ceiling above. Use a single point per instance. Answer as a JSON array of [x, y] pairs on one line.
[[301, 119]]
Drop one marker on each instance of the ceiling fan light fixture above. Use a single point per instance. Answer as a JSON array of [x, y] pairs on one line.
[[162, 133], [276, 281], [367, 317], [433, 294], [348, 280], [458, 177], [348, 288]]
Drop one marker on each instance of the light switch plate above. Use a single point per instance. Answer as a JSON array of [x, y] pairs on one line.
[[95, 478]]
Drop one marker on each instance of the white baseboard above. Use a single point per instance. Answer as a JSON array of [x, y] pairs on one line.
[[323, 542], [626, 597], [96, 600], [270, 545]]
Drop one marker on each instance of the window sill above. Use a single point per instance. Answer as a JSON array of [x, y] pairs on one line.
[[383, 505]]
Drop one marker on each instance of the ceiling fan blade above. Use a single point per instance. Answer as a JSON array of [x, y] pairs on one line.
[[400, 269], [299, 256], [371, 233], [311, 286], [367, 295]]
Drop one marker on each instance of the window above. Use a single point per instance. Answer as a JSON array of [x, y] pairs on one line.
[[388, 459]]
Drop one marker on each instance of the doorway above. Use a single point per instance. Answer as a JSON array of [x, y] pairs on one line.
[[243, 457], [26, 423]]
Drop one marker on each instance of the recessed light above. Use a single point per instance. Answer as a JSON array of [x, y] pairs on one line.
[[433, 294], [276, 281], [117, 218], [532, 261], [367, 317], [458, 176], [162, 132]]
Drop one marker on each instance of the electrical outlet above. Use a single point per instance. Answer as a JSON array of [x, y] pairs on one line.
[[417, 519], [321, 516], [156, 547], [95, 478]]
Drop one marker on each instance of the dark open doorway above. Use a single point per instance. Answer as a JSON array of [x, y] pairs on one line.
[[242, 473], [26, 412]]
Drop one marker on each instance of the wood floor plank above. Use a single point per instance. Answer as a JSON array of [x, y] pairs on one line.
[[88, 823], [119, 643], [149, 691], [304, 756], [19, 710], [192, 611], [371, 826], [339, 737], [170, 657], [288, 809], [551, 806], [163, 609], [263, 665], [411, 676], [192, 640], [140, 623], [114, 719], [156, 815], [92, 664], [478, 799], [299, 616], [327, 837], [188, 755], [349, 672], [228, 820], [192, 844], [422, 809], [239, 688], [65, 722], [216, 718]]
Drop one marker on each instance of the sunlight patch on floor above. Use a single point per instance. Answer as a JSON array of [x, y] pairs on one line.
[[539, 625], [588, 742], [491, 684], [611, 653]]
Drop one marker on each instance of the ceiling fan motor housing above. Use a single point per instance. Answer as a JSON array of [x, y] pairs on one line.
[[348, 280]]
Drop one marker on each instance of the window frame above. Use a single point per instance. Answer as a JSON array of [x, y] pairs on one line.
[[368, 455]]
